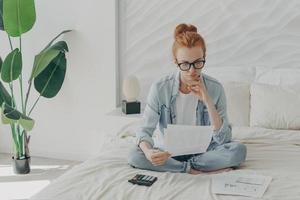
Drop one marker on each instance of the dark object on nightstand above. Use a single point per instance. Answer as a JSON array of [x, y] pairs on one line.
[[131, 107]]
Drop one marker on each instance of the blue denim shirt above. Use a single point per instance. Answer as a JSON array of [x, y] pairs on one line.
[[161, 109]]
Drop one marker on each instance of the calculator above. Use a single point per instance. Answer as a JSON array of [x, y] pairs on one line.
[[141, 179]]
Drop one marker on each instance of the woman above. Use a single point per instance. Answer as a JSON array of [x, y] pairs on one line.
[[191, 98]]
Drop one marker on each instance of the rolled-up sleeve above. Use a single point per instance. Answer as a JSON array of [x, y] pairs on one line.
[[150, 118], [223, 135]]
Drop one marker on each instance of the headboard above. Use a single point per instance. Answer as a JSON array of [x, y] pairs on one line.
[[241, 34]]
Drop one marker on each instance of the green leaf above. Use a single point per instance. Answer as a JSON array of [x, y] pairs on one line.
[[11, 115], [12, 66], [4, 119], [61, 46], [49, 82], [42, 60], [1, 15], [27, 123], [50, 43], [1, 62], [4, 95], [18, 16]]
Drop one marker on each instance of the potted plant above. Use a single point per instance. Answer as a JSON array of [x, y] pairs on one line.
[[47, 75]]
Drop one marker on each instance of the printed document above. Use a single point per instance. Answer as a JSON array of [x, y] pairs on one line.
[[240, 184], [184, 139]]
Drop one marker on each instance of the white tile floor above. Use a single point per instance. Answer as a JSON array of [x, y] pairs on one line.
[[43, 171]]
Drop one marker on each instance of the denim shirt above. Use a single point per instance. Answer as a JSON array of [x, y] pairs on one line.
[[161, 109]]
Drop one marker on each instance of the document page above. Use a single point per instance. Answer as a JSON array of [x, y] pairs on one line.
[[240, 184], [184, 139]]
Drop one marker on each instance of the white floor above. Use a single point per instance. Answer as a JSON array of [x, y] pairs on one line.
[[43, 171]]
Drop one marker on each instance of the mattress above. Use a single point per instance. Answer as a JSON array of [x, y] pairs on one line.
[[274, 153]]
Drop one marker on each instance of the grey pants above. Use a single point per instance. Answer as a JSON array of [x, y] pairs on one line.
[[231, 154]]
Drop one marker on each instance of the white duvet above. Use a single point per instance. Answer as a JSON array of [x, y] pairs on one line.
[[273, 153]]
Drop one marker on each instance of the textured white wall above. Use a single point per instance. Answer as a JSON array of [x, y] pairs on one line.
[[244, 34], [71, 125]]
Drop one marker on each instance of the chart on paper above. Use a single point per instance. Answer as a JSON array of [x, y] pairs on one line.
[[240, 184]]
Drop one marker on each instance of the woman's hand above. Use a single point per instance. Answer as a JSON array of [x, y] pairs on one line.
[[157, 157], [197, 88]]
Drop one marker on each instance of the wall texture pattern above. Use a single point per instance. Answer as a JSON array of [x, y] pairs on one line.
[[243, 34]]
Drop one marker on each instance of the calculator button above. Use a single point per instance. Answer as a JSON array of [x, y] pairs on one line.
[[140, 177]]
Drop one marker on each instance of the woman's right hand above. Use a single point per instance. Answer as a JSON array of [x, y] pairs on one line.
[[157, 157]]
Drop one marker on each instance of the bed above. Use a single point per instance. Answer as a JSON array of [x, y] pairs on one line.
[[265, 116], [271, 152], [253, 49]]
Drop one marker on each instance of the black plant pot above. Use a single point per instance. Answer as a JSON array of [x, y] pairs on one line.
[[21, 166]]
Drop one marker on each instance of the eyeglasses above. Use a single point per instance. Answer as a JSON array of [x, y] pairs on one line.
[[186, 66]]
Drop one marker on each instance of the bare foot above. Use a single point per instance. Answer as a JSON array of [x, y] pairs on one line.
[[194, 171]]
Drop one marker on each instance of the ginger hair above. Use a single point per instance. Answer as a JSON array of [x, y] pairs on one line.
[[186, 35]]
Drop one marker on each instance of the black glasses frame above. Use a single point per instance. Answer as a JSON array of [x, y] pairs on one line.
[[190, 64]]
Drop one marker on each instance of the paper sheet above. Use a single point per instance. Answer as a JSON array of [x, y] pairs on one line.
[[183, 139], [240, 184]]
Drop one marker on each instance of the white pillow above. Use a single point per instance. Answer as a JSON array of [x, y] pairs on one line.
[[238, 108], [278, 76], [238, 102], [275, 107]]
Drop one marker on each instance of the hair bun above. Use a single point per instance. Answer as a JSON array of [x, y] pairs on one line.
[[183, 28]]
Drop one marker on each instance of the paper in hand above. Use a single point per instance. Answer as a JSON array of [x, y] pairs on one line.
[[184, 139]]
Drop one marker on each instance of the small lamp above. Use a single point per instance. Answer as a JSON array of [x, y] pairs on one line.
[[131, 90]]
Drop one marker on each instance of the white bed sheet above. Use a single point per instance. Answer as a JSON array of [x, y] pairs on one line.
[[273, 153]]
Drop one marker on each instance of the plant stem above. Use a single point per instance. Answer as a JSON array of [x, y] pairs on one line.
[[21, 81], [11, 47], [14, 131], [27, 94], [15, 139], [13, 102], [10, 84], [24, 136], [20, 42], [27, 138], [34, 105], [21, 141], [22, 99]]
